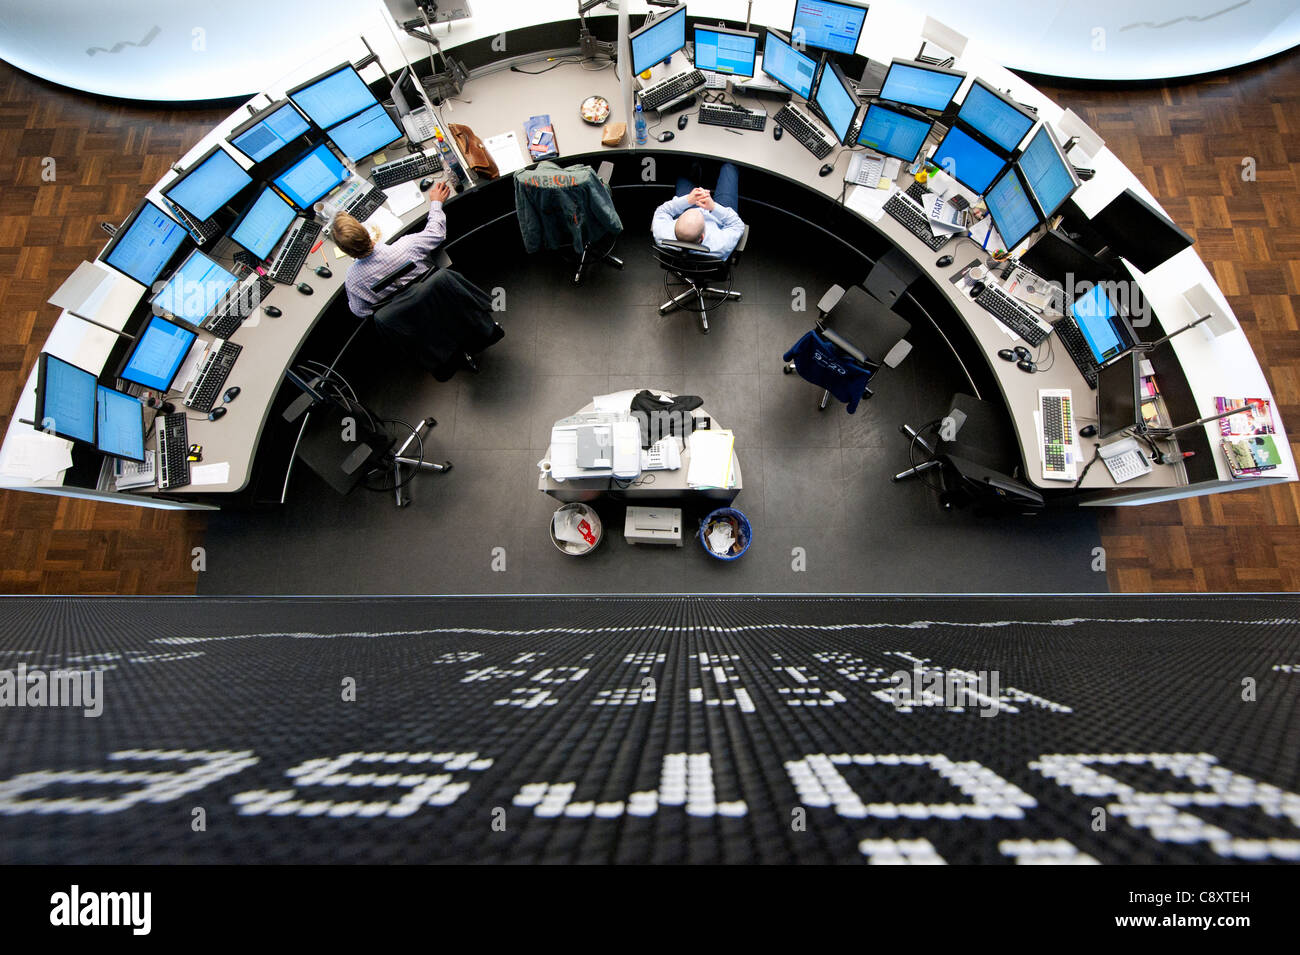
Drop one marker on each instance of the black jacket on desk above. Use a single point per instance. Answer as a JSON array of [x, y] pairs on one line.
[[563, 207], [659, 418], [437, 320]]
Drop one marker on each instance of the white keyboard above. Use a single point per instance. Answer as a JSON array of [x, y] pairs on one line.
[[1059, 449]]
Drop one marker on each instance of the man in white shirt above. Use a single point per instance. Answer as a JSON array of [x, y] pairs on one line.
[[698, 215]]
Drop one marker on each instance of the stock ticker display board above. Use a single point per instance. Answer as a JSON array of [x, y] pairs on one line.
[[628, 730]]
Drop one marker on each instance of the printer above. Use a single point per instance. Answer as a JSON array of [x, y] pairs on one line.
[[596, 445]]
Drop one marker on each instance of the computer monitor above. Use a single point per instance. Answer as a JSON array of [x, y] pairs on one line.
[[1139, 232], [996, 117], [311, 176], [263, 224], [792, 69], [119, 424], [1051, 178], [728, 52], [1060, 259], [920, 85], [893, 133], [158, 354], [1012, 211], [658, 40], [270, 131], [835, 100], [144, 244], [65, 399], [968, 160], [407, 94], [208, 184], [333, 96], [365, 133], [1119, 396], [1101, 322], [832, 25], [194, 289]]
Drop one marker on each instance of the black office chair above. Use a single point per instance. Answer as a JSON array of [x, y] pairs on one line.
[[692, 269], [890, 277], [974, 453], [858, 328]]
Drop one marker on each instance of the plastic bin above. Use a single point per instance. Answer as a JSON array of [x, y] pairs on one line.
[[746, 533]]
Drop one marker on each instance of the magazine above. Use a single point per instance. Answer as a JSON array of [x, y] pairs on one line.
[[1256, 416], [1251, 456]]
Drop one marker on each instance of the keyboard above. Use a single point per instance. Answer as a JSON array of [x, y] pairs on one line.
[[237, 306], [213, 374], [1014, 315], [1060, 458], [294, 251], [673, 88], [364, 205], [733, 117], [808, 133], [414, 166], [173, 451], [203, 231], [913, 218], [1068, 334]]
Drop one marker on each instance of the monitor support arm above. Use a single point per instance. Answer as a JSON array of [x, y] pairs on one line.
[[592, 47]]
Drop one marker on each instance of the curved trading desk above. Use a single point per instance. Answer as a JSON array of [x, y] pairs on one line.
[[782, 174]]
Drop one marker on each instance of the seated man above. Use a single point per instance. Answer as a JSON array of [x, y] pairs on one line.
[[374, 261], [695, 216]]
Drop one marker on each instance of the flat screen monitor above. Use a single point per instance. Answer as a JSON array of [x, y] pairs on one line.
[[263, 224], [1118, 396], [194, 289], [119, 424], [1009, 205], [65, 399], [998, 118], [270, 131], [1058, 258], [208, 184], [728, 52], [1050, 176], [1100, 322], [333, 96], [893, 133], [792, 69], [968, 160], [144, 244], [158, 354], [407, 94], [658, 40], [833, 25], [1139, 232], [836, 102], [311, 176], [365, 133], [920, 85]]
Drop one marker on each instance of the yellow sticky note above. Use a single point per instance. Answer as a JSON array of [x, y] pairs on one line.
[[338, 253], [380, 158]]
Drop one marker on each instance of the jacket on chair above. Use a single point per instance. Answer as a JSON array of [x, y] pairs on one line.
[[565, 207], [437, 320], [821, 363]]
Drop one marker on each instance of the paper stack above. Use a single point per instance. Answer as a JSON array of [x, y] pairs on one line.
[[711, 454]]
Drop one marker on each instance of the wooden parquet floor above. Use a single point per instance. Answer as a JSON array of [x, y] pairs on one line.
[[1185, 141]]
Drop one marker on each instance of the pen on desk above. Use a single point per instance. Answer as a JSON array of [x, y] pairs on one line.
[[319, 243]]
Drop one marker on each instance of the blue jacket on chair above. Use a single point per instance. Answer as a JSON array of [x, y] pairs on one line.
[[560, 207], [821, 363]]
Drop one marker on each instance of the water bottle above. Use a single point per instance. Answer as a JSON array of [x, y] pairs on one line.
[[640, 126]]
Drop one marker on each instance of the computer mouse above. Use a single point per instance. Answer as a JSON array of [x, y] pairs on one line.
[[944, 261], [1088, 431], [777, 132], [324, 271], [667, 135], [1023, 353], [682, 120], [272, 311], [1006, 354], [231, 393], [977, 289], [426, 184], [826, 170], [305, 288], [216, 413], [1027, 366]]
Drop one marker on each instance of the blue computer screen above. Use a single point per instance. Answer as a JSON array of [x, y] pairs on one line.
[[1096, 318], [1013, 213], [120, 420], [892, 133], [271, 134], [658, 41], [67, 400], [264, 224], [918, 86], [365, 133], [194, 289], [333, 98], [788, 66], [146, 245], [158, 354], [1049, 176], [311, 177], [827, 25], [836, 104], [208, 186], [987, 113], [731, 54], [972, 164]]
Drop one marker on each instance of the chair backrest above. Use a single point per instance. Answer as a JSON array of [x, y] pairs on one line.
[[864, 323], [688, 258], [890, 277], [967, 482]]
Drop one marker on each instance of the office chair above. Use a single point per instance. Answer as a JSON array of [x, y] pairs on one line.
[[691, 269], [570, 211], [855, 336], [975, 454], [890, 277]]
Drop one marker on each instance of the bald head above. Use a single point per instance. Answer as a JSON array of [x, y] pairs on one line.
[[689, 226]]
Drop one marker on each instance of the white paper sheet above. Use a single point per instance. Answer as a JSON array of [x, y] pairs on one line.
[[869, 203], [35, 455], [505, 152], [218, 473], [404, 197]]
